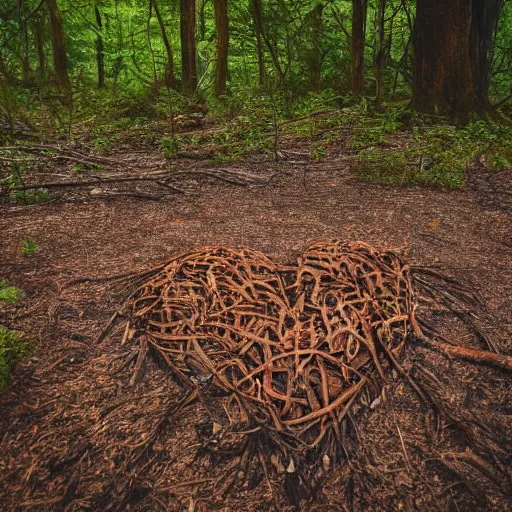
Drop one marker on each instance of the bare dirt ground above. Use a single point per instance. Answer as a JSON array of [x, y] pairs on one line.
[[70, 416]]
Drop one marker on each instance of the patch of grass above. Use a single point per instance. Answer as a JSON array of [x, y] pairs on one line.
[[13, 347], [319, 151], [427, 154], [30, 247], [32, 196], [9, 293], [101, 144], [408, 167], [79, 168], [371, 130], [170, 146]]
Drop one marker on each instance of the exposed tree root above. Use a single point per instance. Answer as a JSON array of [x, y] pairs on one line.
[[294, 348], [470, 354]]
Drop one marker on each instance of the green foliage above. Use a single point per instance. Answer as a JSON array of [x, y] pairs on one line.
[[87, 167], [170, 146], [135, 60], [12, 348], [435, 155], [101, 144], [8, 293], [319, 151], [29, 247], [373, 128], [408, 168], [31, 196]]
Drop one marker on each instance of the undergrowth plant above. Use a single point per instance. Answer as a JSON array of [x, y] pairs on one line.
[[14, 180], [8, 293], [31, 196], [13, 347], [29, 247], [397, 150]]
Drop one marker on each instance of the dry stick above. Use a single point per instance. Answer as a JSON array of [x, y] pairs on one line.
[[41, 147], [474, 355], [187, 483], [99, 181], [157, 177]]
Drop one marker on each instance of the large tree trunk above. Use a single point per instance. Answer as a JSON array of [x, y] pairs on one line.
[[170, 80], [315, 57], [256, 15], [452, 41], [188, 45], [358, 38], [222, 26], [60, 64], [485, 23], [100, 53]]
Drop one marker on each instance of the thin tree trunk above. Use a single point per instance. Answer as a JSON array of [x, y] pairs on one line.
[[188, 45], [452, 41], [202, 63], [150, 45], [100, 53], [359, 9], [222, 26], [170, 80], [60, 64], [315, 57], [380, 48], [25, 62], [118, 63], [275, 57], [39, 40], [256, 14]]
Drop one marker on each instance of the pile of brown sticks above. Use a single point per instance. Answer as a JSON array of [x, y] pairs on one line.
[[292, 347]]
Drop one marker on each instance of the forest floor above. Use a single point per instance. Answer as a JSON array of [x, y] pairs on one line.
[[70, 401]]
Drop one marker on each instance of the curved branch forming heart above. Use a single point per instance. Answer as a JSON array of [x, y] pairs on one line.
[[294, 346]]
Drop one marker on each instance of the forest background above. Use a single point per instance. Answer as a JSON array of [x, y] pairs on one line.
[[100, 68]]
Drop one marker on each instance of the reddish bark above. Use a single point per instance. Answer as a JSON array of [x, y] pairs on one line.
[[359, 9], [188, 45], [452, 41], [60, 63], [222, 26]]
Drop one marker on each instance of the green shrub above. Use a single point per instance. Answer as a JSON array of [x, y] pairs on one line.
[[9, 293], [170, 146], [30, 247], [32, 196], [12, 348], [101, 144], [409, 167], [79, 168]]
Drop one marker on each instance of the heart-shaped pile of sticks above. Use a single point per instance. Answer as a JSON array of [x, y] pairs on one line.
[[291, 346]]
